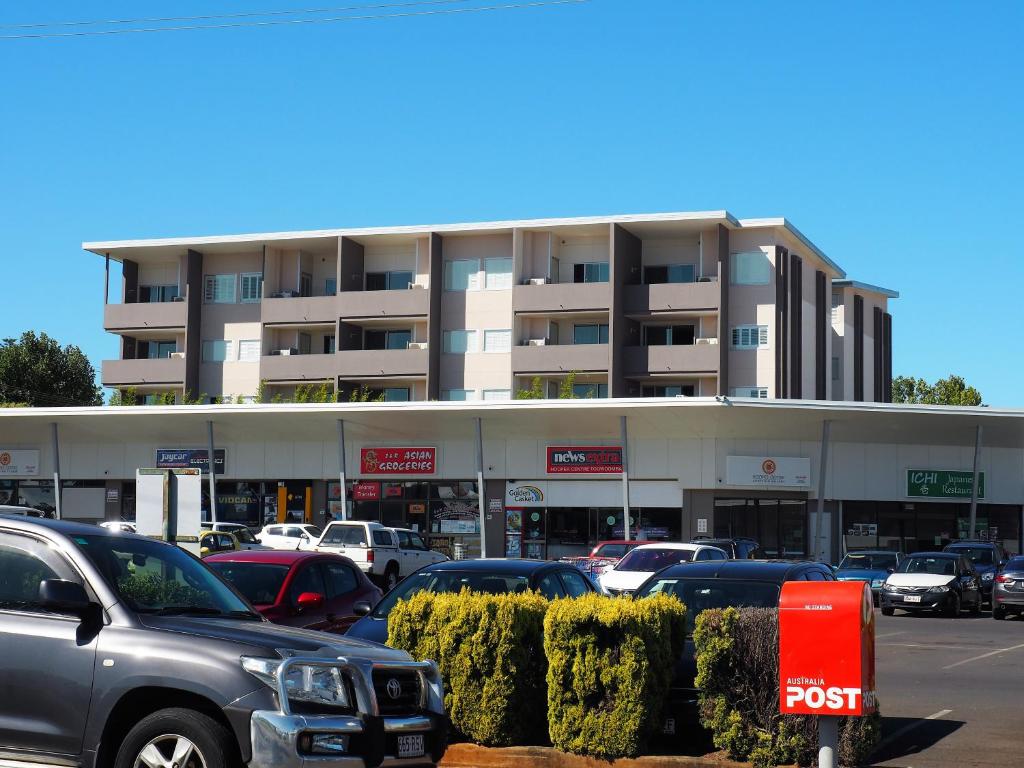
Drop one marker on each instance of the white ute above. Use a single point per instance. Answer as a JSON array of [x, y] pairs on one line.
[[385, 555]]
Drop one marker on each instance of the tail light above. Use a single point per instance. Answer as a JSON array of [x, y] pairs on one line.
[[1002, 578], [369, 555]]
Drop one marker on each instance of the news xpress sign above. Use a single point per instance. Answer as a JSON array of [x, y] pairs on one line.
[[942, 484], [190, 458], [773, 471], [584, 460], [19, 462]]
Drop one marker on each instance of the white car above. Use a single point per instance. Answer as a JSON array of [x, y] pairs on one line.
[[637, 566], [119, 526], [7, 509], [245, 538], [289, 536], [385, 555]]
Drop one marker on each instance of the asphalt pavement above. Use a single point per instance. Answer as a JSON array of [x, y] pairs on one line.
[[951, 691]]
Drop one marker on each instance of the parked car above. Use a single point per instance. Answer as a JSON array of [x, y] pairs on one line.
[[739, 548], [493, 575], [385, 555], [246, 538], [150, 659], [933, 581], [289, 536], [1008, 589], [637, 566], [299, 589], [718, 584], [870, 565], [118, 526], [986, 556], [10, 509], [604, 555], [212, 542]]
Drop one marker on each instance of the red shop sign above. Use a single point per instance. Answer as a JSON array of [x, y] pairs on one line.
[[584, 460], [365, 491], [397, 461]]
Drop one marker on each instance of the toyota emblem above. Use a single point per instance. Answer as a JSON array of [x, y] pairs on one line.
[[394, 688]]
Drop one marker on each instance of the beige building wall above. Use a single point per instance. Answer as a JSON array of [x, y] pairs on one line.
[[164, 273], [753, 305], [570, 250], [396, 257]]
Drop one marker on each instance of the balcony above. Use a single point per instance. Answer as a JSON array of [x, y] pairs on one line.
[[133, 373], [678, 359], [299, 310], [356, 305], [671, 297], [280, 368], [562, 297], [170, 315], [559, 358], [375, 363]]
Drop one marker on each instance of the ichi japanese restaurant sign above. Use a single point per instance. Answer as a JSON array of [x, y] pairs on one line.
[[398, 461]]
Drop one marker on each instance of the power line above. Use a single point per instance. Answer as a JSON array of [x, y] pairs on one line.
[[241, 24]]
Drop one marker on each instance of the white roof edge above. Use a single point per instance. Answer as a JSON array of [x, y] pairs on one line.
[[109, 245], [888, 292], [781, 221]]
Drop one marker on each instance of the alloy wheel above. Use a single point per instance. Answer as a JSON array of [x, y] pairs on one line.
[[170, 751]]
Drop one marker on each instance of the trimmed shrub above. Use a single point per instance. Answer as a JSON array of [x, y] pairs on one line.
[[738, 676], [490, 652], [610, 663]]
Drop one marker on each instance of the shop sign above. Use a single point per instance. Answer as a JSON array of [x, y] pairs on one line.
[[525, 494], [584, 460], [397, 461], [190, 458], [365, 491], [19, 462], [943, 484], [774, 471]]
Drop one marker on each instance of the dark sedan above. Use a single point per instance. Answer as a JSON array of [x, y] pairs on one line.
[[987, 557], [496, 576], [311, 590]]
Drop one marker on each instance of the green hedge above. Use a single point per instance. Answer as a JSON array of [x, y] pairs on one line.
[[738, 675], [610, 662], [490, 652]]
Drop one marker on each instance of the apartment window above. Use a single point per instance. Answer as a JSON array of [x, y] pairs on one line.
[[305, 284], [670, 273], [756, 392], [392, 339], [458, 394], [459, 342], [498, 273], [462, 275], [216, 351], [157, 350], [252, 287], [590, 390], [668, 390], [219, 289], [835, 368], [153, 294], [305, 343], [750, 268], [330, 286], [498, 341], [590, 272], [249, 350], [388, 281], [750, 337], [497, 394], [668, 335], [329, 345], [590, 334]]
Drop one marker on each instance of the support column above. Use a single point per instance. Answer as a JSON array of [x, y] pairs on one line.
[[819, 516], [343, 493], [625, 477], [974, 484], [724, 341], [106, 279], [212, 469], [481, 493], [57, 488]]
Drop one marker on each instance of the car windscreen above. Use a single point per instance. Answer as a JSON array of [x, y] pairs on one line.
[[347, 535], [651, 560], [937, 566], [243, 534], [977, 555], [868, 561], [612, 550], [1015, 564], [313, 532], [259, 582], [700, 594], [451, 581]]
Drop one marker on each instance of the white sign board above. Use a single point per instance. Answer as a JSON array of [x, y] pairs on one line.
[[19, 462], [768, 471], [526, 494], [702, 525], [168, 504]]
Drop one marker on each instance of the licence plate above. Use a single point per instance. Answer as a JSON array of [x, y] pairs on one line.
[[670, 727], [411, 746], [912, 598]]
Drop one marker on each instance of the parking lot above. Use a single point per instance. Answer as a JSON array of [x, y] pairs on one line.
[[950, 690]]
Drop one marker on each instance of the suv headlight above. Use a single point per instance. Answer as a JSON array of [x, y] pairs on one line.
[[988, 576], [942, 588], [305, 683], [877, 583]]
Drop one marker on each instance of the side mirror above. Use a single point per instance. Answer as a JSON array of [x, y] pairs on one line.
[[891, 570], [204, 551], [64, 597], [361, 608], [310, 600]]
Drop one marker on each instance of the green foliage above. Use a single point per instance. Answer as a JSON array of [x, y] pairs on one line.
[[127, 396], [490, 651], [314, 393], [261, 391], [535, 392], [738, 678], [187, 399], [37, 371], [565, 387], [363, 394], [609, 668], [952, 390]]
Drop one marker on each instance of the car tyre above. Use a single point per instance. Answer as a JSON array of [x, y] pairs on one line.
[[195, 739], [976, 608], [953, 610], [998, 614], [390, 577], [886, 611]]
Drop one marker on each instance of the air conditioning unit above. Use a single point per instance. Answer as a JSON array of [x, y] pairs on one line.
[[177, 355], [537, 281], [416, 345], [536, 342], [708, 340], [288, 351], [413, 286]]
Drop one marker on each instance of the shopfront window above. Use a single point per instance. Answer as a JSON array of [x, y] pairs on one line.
[[778, 525]]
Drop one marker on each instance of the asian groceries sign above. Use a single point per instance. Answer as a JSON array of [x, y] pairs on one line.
[[826, 648], [398, 461], [774, 471], [584, 460], [943, 484], [19, 461]]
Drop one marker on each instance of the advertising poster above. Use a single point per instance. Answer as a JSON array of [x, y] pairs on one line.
[[513, 545]]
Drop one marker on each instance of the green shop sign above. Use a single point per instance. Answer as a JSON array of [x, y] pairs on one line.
[[942, 484]]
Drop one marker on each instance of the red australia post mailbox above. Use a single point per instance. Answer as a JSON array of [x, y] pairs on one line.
[[826, 648]]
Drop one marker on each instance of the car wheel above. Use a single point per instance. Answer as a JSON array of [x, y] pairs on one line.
[[390, 577], [976, 608], [953, 609], [886, 611], [177, 738], [998, 614]]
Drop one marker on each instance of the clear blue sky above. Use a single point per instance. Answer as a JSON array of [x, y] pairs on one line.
[[890, 133]]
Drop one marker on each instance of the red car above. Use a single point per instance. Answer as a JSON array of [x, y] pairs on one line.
[[605, 555], [311, 590]]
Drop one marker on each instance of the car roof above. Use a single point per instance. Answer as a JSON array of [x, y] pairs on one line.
[[272, 556], [673, 545], [872, 552], [495, 565], [59, 526], [946, 555], [370, 523], [970, 543], [638, 542], [748, 570]]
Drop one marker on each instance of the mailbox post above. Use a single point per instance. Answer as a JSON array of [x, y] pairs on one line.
[[826, 655]]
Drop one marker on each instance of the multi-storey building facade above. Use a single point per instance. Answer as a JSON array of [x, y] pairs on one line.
[[692, 304]]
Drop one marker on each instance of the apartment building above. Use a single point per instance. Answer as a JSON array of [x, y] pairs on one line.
[[689, 304]]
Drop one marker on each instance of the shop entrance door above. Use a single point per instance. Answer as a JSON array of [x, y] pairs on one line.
[[778, 525]]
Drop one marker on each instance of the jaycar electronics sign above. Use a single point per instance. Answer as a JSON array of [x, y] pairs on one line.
[[397, 461], [584, 460]]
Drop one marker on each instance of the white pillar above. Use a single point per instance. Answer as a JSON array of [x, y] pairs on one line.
[[56, 471], [212, 468], [625, 477], [343, 493], [974, 485], [816, 535], [481, 495]]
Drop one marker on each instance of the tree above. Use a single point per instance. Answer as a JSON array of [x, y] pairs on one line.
[[952, 390], [37, 371], [565, 389], [535, 392]]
